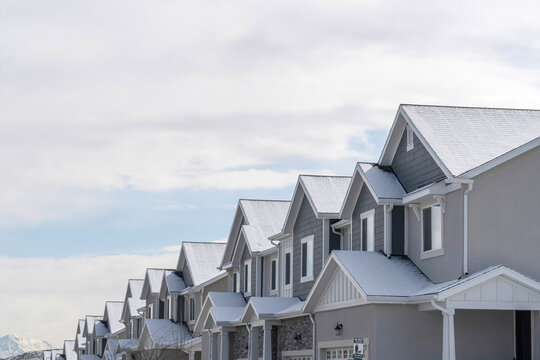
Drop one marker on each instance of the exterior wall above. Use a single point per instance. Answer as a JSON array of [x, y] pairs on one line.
[[415, 168], [246, 256], [306, 224], [503, 216], [240, 343], [287, 331], [222, 285], [366, 202], [447, 266], [267, 274]]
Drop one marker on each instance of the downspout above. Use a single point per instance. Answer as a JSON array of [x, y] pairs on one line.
[[470, 183], [340, 236], [314, 336]]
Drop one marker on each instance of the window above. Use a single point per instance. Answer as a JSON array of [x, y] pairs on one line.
[[273, 281], [247, 277], [192, 309], [288, 269], [149, 312], [410, 138], [161, 309], [340, 354], [367, 225], [431, 231], [307, 258], [236, 282]]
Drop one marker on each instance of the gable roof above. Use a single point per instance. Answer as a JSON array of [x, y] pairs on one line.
[[113, 311], [152, 282], [324, 193], [131, 304], [100, 329], [80, 340], [271, 308], [135, 286], [461, 139], [164, 334], [203, 259], [127, 345], [69, 350], [256, 220], [173, 281], [221, 301], [89, 324]]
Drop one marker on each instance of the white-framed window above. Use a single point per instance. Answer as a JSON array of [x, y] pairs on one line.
[[306, 259], [367, 230], [273, 275], [247, 277], [410, 138], [236, 282], [150, 311], [431, 224], [288, 269], [170, 307], [191, 309]]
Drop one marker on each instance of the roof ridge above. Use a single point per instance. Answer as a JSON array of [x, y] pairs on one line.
[[470, 107], [243, 199], [200, 242], [336, 176]]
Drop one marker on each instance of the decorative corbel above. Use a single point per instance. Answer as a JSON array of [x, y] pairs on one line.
[[441, 200], [416, 209]]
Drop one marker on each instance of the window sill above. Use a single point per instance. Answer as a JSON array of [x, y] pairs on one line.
[[431, 254], [306, 279]]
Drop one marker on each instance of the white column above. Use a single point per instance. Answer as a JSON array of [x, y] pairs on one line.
[[214, 346], [267, 342], [254, 344], [192, 355], [449, 342], [224, 345]]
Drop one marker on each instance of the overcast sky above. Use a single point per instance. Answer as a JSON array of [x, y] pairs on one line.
[[127, 127]]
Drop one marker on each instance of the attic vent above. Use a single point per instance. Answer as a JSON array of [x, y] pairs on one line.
[[410, 139]]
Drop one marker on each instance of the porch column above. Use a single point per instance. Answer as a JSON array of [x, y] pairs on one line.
[[449, 342], [192, 355], [267, 343], [214, 355], [224, 345], [254, 344]]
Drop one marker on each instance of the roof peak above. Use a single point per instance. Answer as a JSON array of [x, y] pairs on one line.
[[334, 176], [263, 200], [469, 107]]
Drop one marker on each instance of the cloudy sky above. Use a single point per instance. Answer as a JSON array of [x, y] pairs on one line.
[[127, 127]]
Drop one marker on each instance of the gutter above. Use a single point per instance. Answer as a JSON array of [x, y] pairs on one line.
[[470, 183]]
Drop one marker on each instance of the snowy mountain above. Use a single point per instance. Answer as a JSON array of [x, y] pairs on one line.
[[11, 345]]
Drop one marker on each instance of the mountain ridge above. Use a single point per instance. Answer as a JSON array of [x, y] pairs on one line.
[[12, 345]]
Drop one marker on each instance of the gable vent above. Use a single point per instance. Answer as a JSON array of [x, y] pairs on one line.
[[410, 138]]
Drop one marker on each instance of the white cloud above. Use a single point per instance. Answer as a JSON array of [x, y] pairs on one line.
[[44, 297]]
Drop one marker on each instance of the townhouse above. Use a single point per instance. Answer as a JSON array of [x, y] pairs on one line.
[[430, 252]]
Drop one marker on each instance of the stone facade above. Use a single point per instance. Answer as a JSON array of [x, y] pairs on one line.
[[287, 332], [240, 343]]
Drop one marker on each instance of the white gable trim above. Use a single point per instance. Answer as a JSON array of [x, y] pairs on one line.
[[340, 291]]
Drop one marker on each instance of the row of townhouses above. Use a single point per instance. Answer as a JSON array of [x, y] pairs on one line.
[[433, 252]]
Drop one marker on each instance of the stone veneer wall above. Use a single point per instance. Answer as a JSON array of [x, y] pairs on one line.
[[240, 343], [287, 332]]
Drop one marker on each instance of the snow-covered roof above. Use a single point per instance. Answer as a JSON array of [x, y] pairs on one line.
[[89, 325], [114, 315], [110, 349], [136, 286], [100, 329], [69, 350], [90, 357], [326, 192], [220, 301], [383, 182], [154, 278], [46, 355], [81, 341], [267, 307], [379, 276], [226, 299], [263, 219], [127, 345], [166, 334], [203, 259], [55, 353], [226, 314], [464, 138], [174, 281], [133, 305]]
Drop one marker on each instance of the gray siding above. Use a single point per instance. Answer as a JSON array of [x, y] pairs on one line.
[[365, 203], [306, 224], [415, 168], [247, 256]]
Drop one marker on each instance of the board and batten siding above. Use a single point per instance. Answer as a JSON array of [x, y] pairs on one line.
[[247, 256], [366, 202], [306, 224], [415, 168]]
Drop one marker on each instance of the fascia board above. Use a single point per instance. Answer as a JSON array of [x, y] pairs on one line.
[[294, 208], [389, 146], [231, 231], [348, 195]]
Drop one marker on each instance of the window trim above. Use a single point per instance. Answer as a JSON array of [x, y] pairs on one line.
[[150, 311], [247, 278], [274, 284], [289, 285], [433, 252], [191, 310], [307, 240], [236, 285], [366, 215]]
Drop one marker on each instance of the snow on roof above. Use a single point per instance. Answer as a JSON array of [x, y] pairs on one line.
[[55, 353], [384, 183], [264, 218], [90, 357], [155, 277], [175, 282], [110, 349], [379, 276], [227, 314], [47, 355], [326, 192], [127, 345], [273, 306], [90, 319], [101, 329], [227, 299], [69, 350], [114, 314], [203, 258], [136, 286], [81, 341], [133, 305], [465, 138], [167, 334]]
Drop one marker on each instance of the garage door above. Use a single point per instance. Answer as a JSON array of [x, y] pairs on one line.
[[339, 353]]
